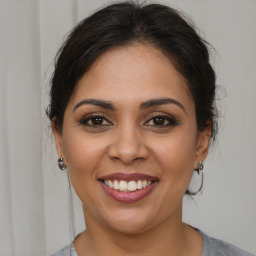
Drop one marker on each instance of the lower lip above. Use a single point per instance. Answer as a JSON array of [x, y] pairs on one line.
[[128, 197]]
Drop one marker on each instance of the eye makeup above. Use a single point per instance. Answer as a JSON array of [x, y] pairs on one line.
[[96, 120]]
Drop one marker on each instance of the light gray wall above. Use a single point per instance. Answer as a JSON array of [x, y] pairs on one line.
[[34, 195]]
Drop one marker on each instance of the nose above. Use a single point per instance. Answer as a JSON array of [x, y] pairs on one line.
[[128, 146]]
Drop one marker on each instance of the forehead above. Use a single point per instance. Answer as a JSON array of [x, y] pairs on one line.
[[132, 73]]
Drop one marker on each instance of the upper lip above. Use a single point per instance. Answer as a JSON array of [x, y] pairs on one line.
[[128, 177]]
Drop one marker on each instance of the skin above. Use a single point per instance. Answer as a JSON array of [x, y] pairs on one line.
[[128, 140]]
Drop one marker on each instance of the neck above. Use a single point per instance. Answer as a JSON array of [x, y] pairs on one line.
[[169, 237]]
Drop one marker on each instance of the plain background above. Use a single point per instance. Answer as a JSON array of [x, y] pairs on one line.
[[35, 209]]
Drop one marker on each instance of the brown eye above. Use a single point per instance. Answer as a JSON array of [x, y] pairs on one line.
[[158, 120], [161, 121], [95, 120]]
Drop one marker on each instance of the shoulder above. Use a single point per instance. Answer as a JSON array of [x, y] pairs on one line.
[[68, 250], [216, 247]]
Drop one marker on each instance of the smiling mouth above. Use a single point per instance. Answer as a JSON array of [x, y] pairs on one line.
[[128, 187], [125, 186]]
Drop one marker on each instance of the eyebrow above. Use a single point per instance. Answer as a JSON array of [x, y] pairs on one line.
[[144, 105], [161, 101], [96, 102]]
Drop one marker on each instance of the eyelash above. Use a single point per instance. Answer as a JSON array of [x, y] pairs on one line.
[[164, 117], [87, 120]]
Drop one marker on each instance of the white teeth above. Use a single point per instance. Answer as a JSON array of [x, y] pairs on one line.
[[110, 184], [132, 185], [125, 186], [116, 185], [139, 184], [144, 183]]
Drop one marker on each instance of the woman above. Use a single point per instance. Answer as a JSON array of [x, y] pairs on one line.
[[132, 112]]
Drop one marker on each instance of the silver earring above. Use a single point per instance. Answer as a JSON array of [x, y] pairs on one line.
[[61, 164], [200, 167]]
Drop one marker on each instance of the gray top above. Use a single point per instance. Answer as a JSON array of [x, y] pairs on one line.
[[68, 250], [211, 247]]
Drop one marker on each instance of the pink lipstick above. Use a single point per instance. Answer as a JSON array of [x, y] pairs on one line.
[[128, 187]]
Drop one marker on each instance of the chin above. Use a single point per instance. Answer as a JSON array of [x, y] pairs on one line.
[[129, 228], [129, 221]]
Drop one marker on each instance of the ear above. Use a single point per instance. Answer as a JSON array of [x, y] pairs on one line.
[[202, 145], [58, 138]]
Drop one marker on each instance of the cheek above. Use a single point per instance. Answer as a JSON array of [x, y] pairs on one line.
[[176, 156], [83, 156]]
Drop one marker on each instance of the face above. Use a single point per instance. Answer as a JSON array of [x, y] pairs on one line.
[[130, 140]]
